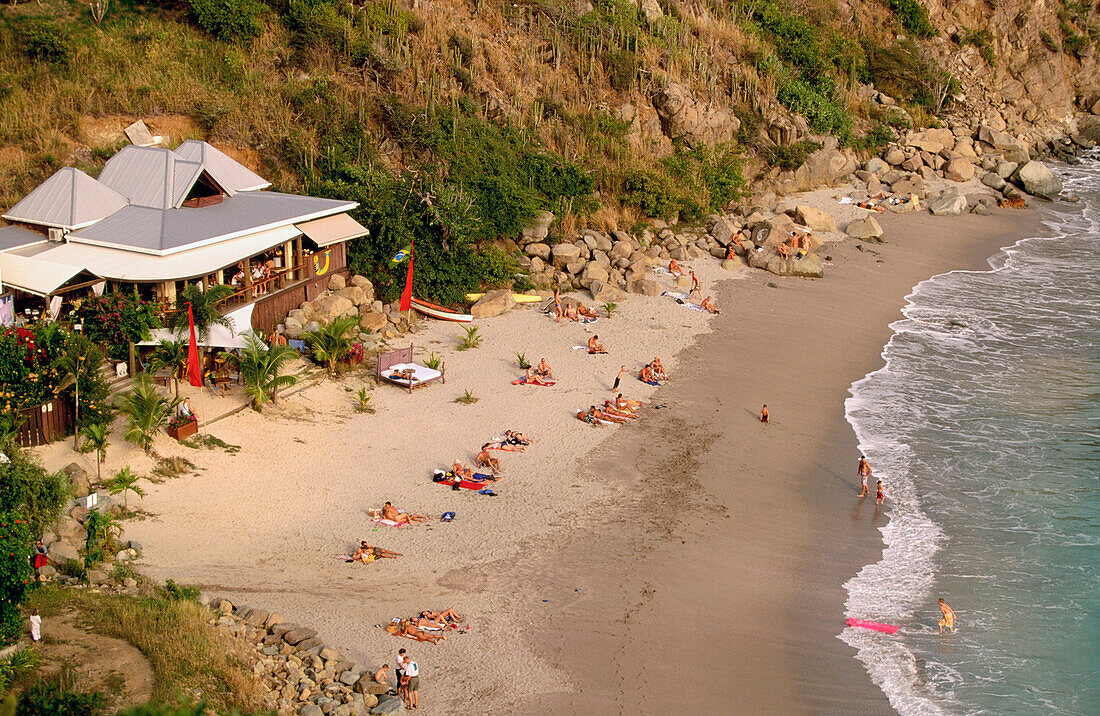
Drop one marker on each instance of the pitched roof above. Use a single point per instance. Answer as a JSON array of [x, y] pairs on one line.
[[230, 175], [166, 231], [14, 237], [36, 276], [69, 199], [150, 176]]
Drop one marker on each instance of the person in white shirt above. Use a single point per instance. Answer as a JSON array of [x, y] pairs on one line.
[[412, 683], [36, 625], [397, 671]]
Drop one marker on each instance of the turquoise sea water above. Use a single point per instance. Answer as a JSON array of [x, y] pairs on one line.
[[985, 428]]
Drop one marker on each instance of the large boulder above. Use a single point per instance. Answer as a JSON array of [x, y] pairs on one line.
[[371, 320], [538, 249], [337, 282], [493, 303], [876, 166], [606, 293], [814, 219], [1011, 149], [644, 287], [894, 156], [564, 254], [82, 486], [332, 307], [62, 552], [932, 141], [809, 266], [993, 181], [865, 229], [723, 230], [773, 232], [1038, 180], [297, 636], [356, 295], [949, 202], [959, 169], [594, 271]]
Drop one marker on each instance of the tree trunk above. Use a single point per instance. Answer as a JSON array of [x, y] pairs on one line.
[[76, 413], [98, 467]]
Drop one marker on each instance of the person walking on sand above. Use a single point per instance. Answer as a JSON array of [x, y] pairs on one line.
[[36, 626], [948, 617], [764, 414], [619, 377], [864, 471], [695, 291], [881, 494], [412, 683]]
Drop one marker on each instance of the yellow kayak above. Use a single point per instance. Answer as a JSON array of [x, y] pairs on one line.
[[519, 297]]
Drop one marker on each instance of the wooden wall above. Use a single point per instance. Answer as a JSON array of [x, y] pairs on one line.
[[272, 309], [45, 423]]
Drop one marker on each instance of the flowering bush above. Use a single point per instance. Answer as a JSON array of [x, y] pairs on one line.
[[179, 420], [355, 355], [15, 574], [114, 320], [29, 376]]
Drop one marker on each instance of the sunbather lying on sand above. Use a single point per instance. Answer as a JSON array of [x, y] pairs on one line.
[[461, 472], [543, 369], [391, 513], [708, 305], [533, 378], [445, 615], [484, 459], [623, 404], [366, 553], [610, 409], [408, 629], [594, 346], [588, 416], [870, 207], [515, 438], [601, 415], [426, 623], [674, 268]]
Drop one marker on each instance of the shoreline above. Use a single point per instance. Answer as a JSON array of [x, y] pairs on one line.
[[263, 526], [748, 528]]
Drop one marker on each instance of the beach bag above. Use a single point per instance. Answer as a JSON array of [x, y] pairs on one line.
[[447, 516]]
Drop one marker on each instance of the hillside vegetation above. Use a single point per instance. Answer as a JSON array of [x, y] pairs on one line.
[[457, 122]]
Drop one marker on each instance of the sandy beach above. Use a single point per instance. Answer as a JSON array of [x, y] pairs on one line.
[[695, 542]]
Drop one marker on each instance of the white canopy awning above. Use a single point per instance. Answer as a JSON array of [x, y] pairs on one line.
[[332, 229], [121, 265], [220, 336], [36, 276]]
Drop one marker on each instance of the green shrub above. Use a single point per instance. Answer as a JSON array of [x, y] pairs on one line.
[[181, 592], [913, 17], [113, 320], [28, 491], [910, 73], [982, 39], [710, 176], [651, 193], [41, 38], [16, 574], [622, 67], [789, 156], [462, 48], [229, 20], [824, 113]]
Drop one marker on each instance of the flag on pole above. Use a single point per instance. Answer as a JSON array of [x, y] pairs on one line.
[[406, 295], [194, 368]]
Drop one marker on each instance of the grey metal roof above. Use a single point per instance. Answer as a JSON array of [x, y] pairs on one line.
[[12, 237], [68, 199], [230, 175], [150, 176], [142, 228]]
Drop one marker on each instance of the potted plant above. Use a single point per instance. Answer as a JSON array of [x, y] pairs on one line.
[[182, 426]]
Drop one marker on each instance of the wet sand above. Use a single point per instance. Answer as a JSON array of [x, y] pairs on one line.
[[723, 566]]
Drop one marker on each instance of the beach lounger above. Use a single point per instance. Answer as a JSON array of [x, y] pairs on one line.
[[401, 360]]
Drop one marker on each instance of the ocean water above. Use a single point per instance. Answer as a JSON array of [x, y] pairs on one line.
[[984, 426]]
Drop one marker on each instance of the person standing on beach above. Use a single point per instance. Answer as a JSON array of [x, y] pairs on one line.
[[36, 626], [864, 471], [948, 616], [619, 377], [764, 414], [412, 683], [881, 494], [695, 292], [398, 667]]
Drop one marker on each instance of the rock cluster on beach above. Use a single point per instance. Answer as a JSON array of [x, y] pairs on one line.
[[297, 672], [350, 297]]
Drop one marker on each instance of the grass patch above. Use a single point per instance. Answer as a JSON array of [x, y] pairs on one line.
[[188, 655], [205, 441], [169, 467], [789, 156], [467, 398]]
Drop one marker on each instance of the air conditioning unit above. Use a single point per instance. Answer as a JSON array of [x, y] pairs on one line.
[[57, 235]]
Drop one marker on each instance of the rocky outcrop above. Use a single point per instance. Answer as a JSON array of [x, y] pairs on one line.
[[695, 123], [949, 202], [1038, 180], [493, 303], [866, 229]]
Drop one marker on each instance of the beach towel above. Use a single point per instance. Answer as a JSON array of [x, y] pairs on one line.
[[388, 523], [523, 381], [650, 382], [448, 516], [586, 321]]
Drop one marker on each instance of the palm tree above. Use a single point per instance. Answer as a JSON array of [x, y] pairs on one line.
[[146, 411], [76, 365], [169, 354], [204, 308], [125, 482], [95, 440], [261, 369], [332, 343]]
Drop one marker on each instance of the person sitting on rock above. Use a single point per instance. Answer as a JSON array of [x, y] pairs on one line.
[[543, 369], [484, 459], [380, 675], [784, 250], [594, 346], [708, 305], [674, 268]]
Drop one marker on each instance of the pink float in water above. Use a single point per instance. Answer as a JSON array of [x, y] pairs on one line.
[[876, 626]]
